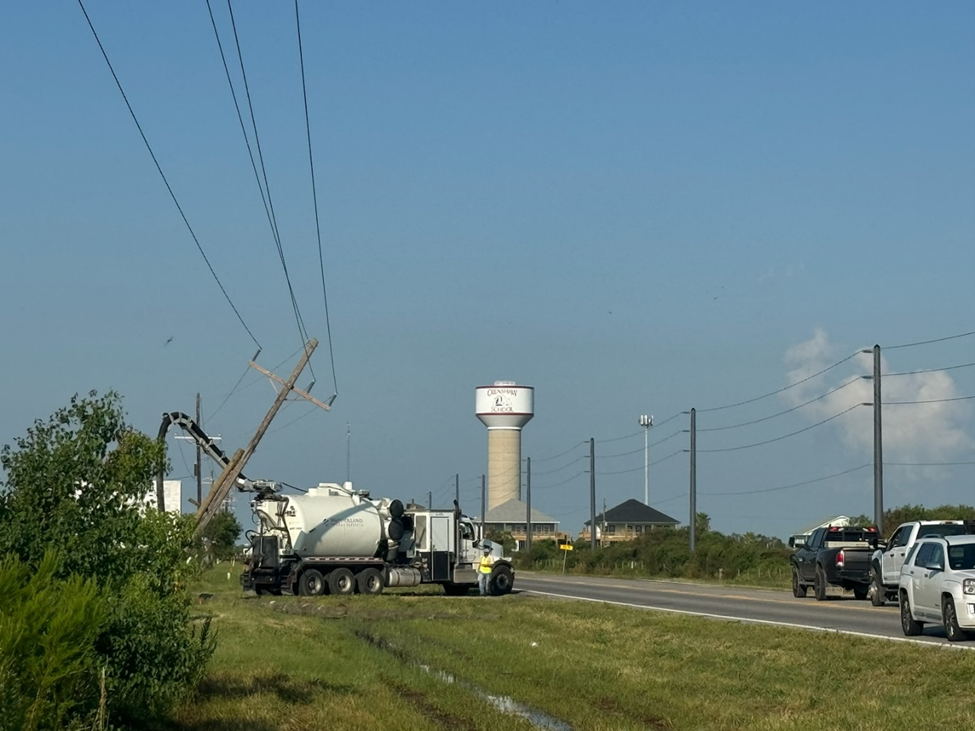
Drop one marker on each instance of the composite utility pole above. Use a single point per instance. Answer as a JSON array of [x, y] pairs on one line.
[[221, 488], [592, 493], [528, 517], [878, 447], [693, 523], [199, 464]]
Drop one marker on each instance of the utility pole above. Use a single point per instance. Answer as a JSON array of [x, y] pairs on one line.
[[199, 464], [528, 518], [483, 502], [228, 477], [429, 501], [878, 447], [592, 493], [693, 524], [646, 422], [457, 489], [348, 452], [457, 514]]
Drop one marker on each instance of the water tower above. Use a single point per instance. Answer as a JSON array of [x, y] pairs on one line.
[[504, 408]]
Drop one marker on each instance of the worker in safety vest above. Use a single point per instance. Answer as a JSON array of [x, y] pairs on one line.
[[484, 570]]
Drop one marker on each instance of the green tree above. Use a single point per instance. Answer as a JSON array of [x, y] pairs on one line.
[[220, 536], [74, 490]]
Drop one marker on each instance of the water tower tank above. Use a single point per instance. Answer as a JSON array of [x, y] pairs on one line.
[[504, 407]]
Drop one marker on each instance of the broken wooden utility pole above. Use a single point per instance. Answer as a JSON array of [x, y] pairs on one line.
[[222, 486]]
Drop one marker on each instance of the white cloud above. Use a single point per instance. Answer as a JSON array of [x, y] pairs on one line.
[[928, 432]]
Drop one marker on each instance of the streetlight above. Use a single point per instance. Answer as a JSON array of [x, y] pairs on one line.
[[646, 422]]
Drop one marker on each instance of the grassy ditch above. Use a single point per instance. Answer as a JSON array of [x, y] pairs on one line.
[[356, 663]]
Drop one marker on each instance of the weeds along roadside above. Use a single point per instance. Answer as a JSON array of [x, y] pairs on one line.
[[591, 666]]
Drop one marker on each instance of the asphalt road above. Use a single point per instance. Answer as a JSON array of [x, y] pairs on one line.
[[839, 613]]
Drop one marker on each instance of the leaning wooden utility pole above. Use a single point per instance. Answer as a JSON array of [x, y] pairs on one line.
[[221, 488]]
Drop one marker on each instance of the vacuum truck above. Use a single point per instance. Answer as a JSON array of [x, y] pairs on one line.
[[338, 540]]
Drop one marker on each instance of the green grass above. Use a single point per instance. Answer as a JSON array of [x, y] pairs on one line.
[[353, 663]]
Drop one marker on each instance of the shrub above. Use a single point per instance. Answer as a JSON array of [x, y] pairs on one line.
[[72, 504]]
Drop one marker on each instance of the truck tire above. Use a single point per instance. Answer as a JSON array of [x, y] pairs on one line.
[[953, 632], [910, 625], [341, 582], [370, 581], [860, 592], [878, 594], [798, 588], [819, 586], [311, 583], [457, 589], [501, 581]]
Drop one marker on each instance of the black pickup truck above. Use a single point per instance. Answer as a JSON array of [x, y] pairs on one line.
[[837, 556]]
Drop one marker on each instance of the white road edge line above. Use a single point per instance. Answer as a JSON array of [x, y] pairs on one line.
[[814, 628]]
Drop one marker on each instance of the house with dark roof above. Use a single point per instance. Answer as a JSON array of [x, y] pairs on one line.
[[627, 521], [511, 517]]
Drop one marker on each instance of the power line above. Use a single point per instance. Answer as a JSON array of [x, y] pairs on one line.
[[619, 439], [558, 484], [651, 444], [257, 380], [785, 436], [164, 179], [559, 469], [928, 401], [766, 418], [314, 195], [651, 464], [302, 332], [562, 454], [926, 464], [795, 484], [930, 370], [928, 342], [785, 388]]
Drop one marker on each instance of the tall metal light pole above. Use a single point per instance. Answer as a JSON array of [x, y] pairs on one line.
[[646, 422]]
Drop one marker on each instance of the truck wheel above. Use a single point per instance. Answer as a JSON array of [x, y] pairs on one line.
[[953, 632], [819, 587], [910, 626], [311, 583], [878, 594], [370, 581], [456, 589], [798, 588], [341, 582], [860, 592], [501, 581]]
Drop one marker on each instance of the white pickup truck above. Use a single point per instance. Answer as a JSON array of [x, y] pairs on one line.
[[886, 563]]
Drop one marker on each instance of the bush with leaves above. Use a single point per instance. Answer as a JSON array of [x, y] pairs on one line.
[[49, 668], [220, 536], [74, 491]]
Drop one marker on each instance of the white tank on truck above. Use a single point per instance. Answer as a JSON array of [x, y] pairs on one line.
[[335, 539]]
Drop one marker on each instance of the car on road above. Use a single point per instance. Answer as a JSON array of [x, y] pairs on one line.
[[885, 566], [834, 556], [937, 586]]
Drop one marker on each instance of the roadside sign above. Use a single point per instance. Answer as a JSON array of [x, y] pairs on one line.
[[566, 547]]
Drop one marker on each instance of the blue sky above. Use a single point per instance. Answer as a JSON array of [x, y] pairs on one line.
[[633, 207]]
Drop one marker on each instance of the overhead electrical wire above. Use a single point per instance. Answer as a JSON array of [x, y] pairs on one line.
[[780, 390], [929, 342], [789, 487], [314, 195], [165, 180], [930, 370], [786, 436], [559, 469], [561, 454], [650, 464], [927, 464], [302, 331], [928, 401], [651, 444], [794, 408], [557, 484]]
